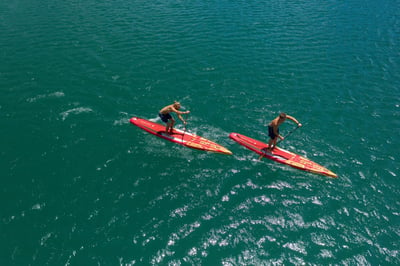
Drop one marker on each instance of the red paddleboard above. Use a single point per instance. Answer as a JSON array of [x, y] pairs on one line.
[[281, 156], [178, 136]]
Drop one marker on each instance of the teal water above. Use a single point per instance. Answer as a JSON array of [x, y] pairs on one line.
[[80, 185]]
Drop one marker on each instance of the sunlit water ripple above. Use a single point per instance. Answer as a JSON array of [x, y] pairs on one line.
[[83, 186]]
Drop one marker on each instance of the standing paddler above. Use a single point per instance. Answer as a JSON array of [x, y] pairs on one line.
[[166, 117], [273, 129]]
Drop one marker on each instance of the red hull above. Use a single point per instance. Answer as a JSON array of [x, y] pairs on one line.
[[281, 156], [180, 137]]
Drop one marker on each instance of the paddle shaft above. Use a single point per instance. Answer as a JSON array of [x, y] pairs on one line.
[[288, 134]]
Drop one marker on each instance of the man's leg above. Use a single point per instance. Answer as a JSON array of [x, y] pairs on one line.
[[170, 125], [271, 144]]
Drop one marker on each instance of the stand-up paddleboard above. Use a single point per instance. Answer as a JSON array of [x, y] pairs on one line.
[[281, 156], [178, 136]]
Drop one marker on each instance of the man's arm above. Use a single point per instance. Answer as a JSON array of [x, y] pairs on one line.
[[275, 129], [294, 120], [178, 112], [181, 118]]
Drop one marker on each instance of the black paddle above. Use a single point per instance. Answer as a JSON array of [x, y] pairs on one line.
[[288, 134]]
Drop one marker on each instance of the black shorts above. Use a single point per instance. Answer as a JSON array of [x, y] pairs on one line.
[[165, 117], [271, 132]]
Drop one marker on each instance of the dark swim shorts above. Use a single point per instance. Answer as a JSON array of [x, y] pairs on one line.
[[165, 117], [271, 132]]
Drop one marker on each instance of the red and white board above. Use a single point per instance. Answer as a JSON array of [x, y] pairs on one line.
[[180, 137], [281, 156]]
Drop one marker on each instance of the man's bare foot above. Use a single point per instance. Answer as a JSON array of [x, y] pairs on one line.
[[266, 150]]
